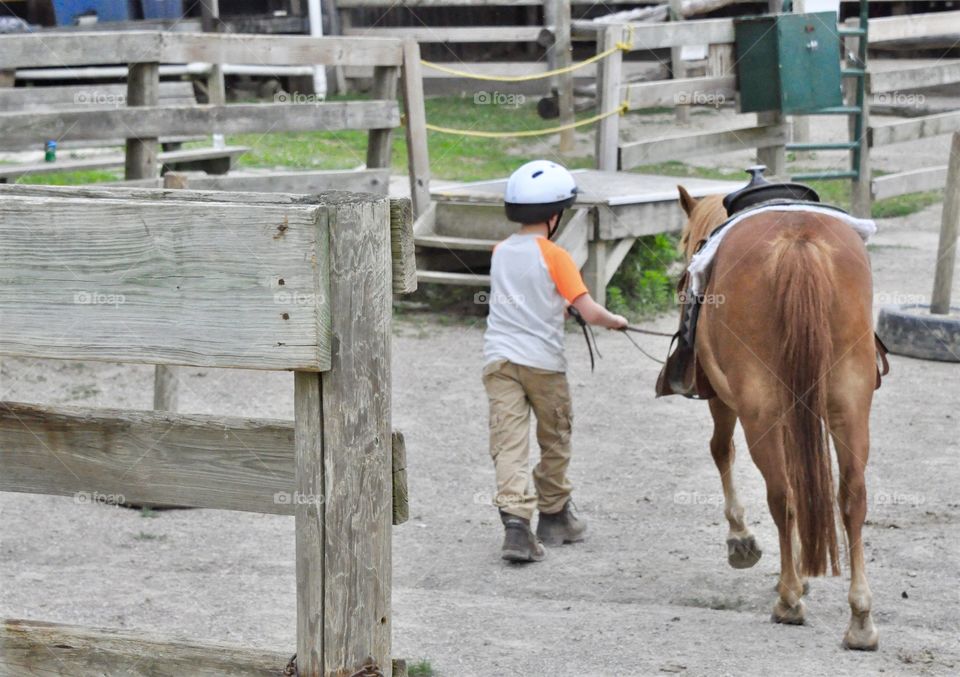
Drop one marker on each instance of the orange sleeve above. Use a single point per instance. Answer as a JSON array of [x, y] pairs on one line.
[[563, 270]]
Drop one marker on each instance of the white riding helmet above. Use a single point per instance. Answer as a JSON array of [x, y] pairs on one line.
[[538, 190]]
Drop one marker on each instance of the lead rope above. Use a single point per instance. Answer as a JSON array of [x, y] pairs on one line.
[[587, 334], [637, 345], [591, 338]]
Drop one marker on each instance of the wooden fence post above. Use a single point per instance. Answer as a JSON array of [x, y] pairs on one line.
[[380, 141], [949, 224], [418, 154], [677, 67], [774, 157], [165, 391], [344, 455], [608, 98], [143, 89], [560, 19], [861, 190]]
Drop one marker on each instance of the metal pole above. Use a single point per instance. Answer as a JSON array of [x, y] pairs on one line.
[[316, 31]]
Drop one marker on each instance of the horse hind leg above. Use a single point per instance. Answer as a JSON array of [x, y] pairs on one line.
[[742, 549], [851, 439], [765, 439]]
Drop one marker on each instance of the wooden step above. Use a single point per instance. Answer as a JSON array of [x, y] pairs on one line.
[[450, 242], [443, 277]]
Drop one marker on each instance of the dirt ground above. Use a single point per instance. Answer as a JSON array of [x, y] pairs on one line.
[[650, 592]]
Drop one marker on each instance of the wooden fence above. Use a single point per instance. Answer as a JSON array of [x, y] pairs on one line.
[[766, 132], [892, 83], [154, 278], [145, 118]]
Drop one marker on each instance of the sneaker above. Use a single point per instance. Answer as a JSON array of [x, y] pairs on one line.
[[561, 527], [519, 543]]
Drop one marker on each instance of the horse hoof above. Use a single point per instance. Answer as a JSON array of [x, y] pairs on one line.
[[743, 553], [862, 634], [789, 615]]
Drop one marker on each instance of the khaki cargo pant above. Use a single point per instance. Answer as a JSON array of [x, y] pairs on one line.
[[513, 390]]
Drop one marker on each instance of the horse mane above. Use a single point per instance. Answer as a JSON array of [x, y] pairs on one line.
[[707, 213]]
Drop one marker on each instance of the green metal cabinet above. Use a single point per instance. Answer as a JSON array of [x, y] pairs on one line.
[[788, 62]]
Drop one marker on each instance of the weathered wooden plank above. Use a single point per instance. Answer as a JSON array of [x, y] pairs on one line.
[[345, 4], [279, 50], [123, 47], [110, 191], [913, 181], [357, 467], [22, 99], [702, 143], [154, 121], [358, 180], [608, 98], [159, 457], [215, 284], [8, 172], [949, 230], [647, 36], [429, 34], [418, 155], [911, 26], [706, 91], [904, 79], [402, 246], [310, 522], [143, 89], [39, 649], [917, 128], [78, 49], [401, 505], [380, 141]]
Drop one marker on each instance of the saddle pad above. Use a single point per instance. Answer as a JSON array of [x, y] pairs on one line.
[[699, 267]]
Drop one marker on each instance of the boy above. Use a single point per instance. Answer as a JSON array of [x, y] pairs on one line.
[[532, 280]]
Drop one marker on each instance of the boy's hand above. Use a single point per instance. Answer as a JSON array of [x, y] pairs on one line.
[[619, 322]]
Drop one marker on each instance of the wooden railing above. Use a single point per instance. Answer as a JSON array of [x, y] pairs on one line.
[[765, 132], [143, 119], [909, 79]]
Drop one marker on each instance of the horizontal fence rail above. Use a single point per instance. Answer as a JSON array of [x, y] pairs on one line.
[[196, 283], [155, 121], [80, 49]]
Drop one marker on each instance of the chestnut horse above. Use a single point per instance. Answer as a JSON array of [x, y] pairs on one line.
[[790, 353]]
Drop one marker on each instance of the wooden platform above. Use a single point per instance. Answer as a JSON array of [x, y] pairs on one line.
[[626, 204], [611, 211]]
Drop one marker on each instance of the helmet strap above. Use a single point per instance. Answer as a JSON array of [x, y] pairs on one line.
[[552, 230]]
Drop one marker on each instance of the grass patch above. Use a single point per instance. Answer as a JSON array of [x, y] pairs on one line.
[[904, 205], [72, 178], [642, 286], [452, 157], [421, 668]]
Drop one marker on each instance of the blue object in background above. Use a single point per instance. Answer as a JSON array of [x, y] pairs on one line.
[[67, 11], [162, 9]]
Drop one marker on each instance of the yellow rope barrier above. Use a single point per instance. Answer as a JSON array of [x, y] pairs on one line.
[[620, 110], [626, 46]]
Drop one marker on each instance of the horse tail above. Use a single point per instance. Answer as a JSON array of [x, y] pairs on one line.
[[804, 287]]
